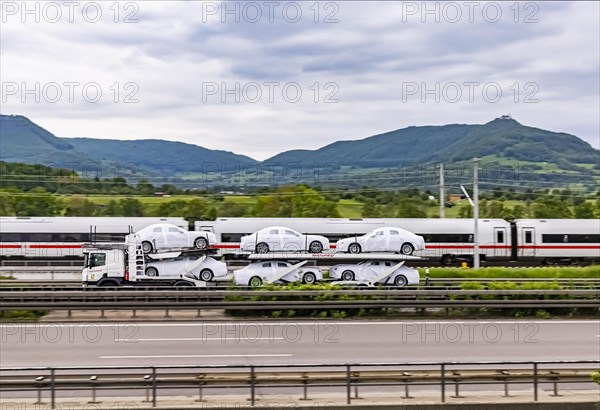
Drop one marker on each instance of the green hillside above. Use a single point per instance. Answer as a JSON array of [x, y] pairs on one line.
[[451, 143]]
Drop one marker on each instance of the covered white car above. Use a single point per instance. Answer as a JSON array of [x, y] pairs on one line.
[[372, 271], [387, 239], [166, 236], [282, 239], [257, 273], [206, 270]]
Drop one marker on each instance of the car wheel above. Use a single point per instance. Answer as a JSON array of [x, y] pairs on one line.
[[407, 249], [354, 248], [315, 247], [206, 275], [347, 275], [262, 248], [151, 271], [255, 282], [400, 281], [146, 247], [309, 278], [201, 243]]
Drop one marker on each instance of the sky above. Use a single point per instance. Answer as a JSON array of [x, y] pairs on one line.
[[258, 78]]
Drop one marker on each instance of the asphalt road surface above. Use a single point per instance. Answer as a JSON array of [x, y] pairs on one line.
[[301, 342]]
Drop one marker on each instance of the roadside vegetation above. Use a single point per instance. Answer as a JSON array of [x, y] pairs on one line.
[[35, 190]]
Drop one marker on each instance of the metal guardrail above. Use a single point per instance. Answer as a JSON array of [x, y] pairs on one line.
[[349, 377], [431, 283], [121, 299]]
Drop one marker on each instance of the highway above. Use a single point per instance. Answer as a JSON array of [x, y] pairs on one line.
[[284, 342]]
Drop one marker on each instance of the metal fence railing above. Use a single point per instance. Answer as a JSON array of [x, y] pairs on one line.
[[347, 379]]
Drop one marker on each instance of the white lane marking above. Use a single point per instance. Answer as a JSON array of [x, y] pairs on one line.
[[298, 323], [189, 356], [201, 339]]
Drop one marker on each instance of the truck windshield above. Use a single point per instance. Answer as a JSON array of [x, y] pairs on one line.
[[95, 259]]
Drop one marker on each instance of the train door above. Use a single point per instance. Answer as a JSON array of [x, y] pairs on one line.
[[527, 246], [501, 248]]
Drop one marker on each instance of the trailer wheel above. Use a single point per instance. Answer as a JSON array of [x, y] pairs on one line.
[[108, 283], [147, 247], [354, 248], [347, 275], [309, 278], [151, 271], [206, 275], [315, 247], [400, 281], [183, 284], [255, 282], [262, 248], [407, 249]]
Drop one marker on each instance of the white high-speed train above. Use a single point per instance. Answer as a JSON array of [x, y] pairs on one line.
[[447, 240], [52, 237]]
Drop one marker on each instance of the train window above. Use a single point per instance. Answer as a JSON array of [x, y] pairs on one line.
[[232, 237], [528, 237], [499, 236], [447, 237], [10, 237], [570, 238]]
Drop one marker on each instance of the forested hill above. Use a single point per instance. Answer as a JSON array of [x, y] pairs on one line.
[[502, 137]]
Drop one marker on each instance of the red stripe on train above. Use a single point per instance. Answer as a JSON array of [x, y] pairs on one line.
[[10, 246], [55, 246]]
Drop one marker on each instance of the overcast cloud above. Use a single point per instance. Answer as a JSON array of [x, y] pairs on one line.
[[361, 67]]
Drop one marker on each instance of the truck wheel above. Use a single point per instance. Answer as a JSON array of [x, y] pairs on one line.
[[262, 248], [400, 281], [354, 248], [146, 247], [206, 275], [309, 278], [347, 275], [151, 271], [407, 249], [255, 282], [315, 247], [201, 243]]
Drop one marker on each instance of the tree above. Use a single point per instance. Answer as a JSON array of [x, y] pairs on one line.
[[408, 208], [585, 211], [113, 208], [295, 202], [370, 209], [131, 207], [80, 207], [233, 209], [465, 211]]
